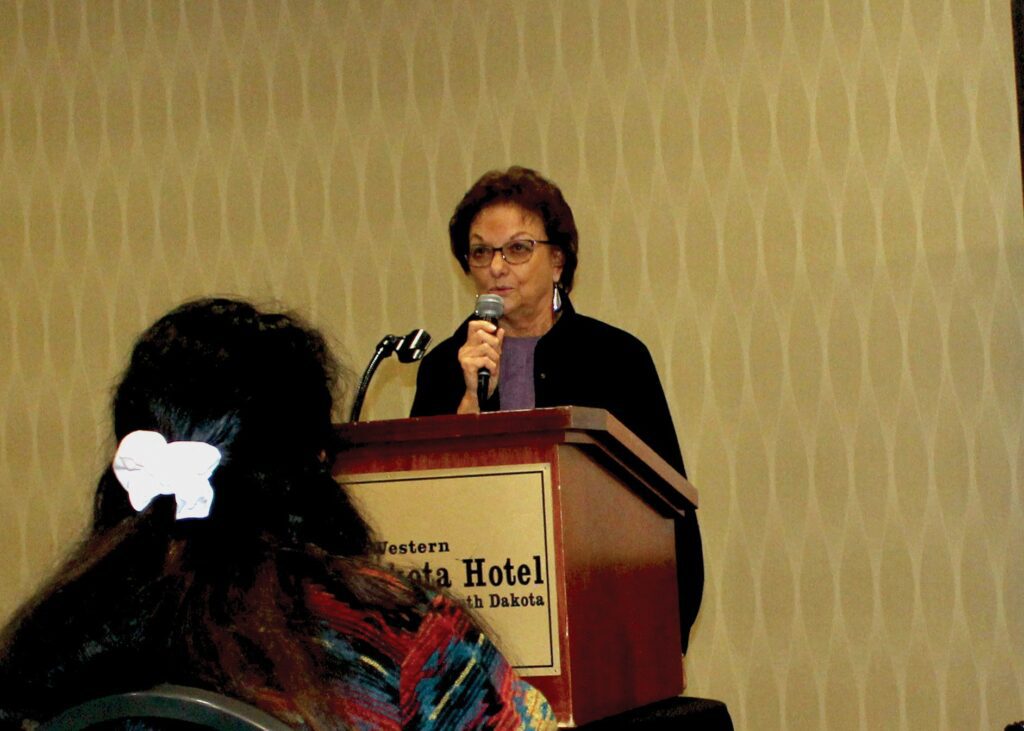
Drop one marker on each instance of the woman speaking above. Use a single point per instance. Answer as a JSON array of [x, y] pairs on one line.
[[514, 235]]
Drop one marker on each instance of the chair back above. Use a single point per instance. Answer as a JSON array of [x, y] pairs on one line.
[[202, 708]]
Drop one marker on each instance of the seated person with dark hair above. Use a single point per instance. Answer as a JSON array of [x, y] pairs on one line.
[[223, 555]]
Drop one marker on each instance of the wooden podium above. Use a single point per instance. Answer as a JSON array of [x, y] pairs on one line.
[[600, 577]]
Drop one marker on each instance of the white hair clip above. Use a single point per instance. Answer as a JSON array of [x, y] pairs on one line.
[[147, 466]]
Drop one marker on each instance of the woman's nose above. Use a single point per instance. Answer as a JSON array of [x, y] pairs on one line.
[[498, 263]]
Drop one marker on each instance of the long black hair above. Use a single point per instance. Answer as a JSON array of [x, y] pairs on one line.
[[216, 602]]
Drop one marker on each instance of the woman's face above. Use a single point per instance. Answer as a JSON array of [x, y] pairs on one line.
[[526, 288]]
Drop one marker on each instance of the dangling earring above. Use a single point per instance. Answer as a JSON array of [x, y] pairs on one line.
[[556, 298]]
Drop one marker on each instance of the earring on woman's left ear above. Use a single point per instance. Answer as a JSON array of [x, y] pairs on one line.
[[556, 298]]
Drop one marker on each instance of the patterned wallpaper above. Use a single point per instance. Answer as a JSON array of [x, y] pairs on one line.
[[810, 210]]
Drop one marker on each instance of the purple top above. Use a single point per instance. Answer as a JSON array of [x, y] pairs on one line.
[[516, 390]]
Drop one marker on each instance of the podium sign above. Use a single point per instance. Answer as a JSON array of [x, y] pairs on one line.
[[483, 534]]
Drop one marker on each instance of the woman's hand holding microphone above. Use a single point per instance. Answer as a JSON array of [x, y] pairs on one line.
[[480, 356]]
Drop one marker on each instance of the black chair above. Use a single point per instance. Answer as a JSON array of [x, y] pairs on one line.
[[672, 714], [171, 705]]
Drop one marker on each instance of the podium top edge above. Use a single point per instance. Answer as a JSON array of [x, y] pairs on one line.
[[578, 424]]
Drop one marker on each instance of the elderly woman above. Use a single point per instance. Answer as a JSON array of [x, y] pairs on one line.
[[514, 235]]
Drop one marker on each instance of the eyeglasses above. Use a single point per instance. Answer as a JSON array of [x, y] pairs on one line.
[[514, 252]]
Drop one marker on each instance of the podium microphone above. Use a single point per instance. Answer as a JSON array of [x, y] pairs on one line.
[[489, 307], [409, 348]]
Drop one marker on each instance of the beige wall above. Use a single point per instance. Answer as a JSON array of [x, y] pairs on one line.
[[810, 211]]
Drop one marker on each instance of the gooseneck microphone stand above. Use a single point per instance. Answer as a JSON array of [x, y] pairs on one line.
[[409, 348]]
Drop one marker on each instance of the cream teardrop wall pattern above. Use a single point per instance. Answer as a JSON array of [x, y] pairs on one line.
[[809, 211]]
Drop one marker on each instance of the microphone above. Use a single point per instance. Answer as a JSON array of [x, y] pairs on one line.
[[489, 307], [412, 347], [409, 349]]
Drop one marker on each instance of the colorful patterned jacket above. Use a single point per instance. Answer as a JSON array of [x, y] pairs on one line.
[[425, 668]]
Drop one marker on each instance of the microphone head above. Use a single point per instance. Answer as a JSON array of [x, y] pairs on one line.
[[489, 307], [412, 347]]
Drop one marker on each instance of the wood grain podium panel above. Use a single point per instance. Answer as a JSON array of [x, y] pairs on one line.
[[620, 575]]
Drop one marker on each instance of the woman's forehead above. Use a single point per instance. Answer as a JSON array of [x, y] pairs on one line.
[[505, 214]]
